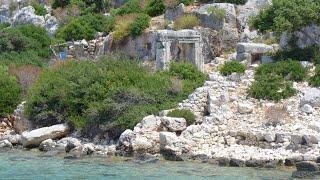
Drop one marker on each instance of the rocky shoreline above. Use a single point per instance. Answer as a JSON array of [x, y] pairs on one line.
[[231, 129]]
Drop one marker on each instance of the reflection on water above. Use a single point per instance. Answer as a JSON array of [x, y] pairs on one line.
[[32, 165]]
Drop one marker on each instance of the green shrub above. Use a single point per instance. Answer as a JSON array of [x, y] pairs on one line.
[[39, 9], [186, 22], [287, 15], [139, 25], [9, 93], [76, 30], [183, 113], [39, 39], [29, 57], [106, 95], [271, 88], [155, 8], [315, 80], [132, 6], [4, 25], [232, 67], [288, 69], [92, 6], [60, 3], [311, 54], [85, 27], [23, 38], [234, 1], [217, 12]]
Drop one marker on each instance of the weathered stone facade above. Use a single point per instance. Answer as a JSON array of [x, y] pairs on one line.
[[170, 47]]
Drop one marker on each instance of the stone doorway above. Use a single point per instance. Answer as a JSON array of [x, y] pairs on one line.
[[183, 45]]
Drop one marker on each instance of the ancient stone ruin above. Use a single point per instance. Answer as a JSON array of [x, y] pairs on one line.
[[178, 45]]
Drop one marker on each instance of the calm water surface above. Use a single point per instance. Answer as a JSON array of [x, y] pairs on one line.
[[32, 165]]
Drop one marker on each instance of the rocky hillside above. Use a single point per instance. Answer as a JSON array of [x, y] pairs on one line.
[[238, 82]]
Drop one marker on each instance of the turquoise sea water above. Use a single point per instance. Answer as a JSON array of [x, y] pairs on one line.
[[32, 165]]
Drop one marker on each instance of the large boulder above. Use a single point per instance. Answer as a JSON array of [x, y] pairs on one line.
[[173, 13], [209, 21], [27, 15], [35, 137], [4, 14], [251, 8], [47, 145], [253, 48], [51, 24], [174, 124], [5, 144], [307, 36], [311, 97]]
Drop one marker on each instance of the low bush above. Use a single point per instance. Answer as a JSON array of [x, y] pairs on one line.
[[4, 25], [22, 58], [122, 27], [232, 67], [271, 88], [155, 8], [132, 6], [39, 9], [104, 96], [140, 23], [183, 113], [9, 92], [217, 12], [288, 69], [315, 79], [311, 54], [25, 38], [85, 27], [287, 15], [186, 22], [132, 24], [60, 3]]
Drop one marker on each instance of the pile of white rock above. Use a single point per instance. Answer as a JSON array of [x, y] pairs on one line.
[[233, 126], [53, 141]]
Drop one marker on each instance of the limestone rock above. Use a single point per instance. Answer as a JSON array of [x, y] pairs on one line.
[[5, 144], [35, 137], [51, 24], [126, 137], [174, 124], [167, 139], [174, 13], [245, 108], [253, 48], [307, 108], [26, 15], [47, 145], [311, 97], [141, 145]]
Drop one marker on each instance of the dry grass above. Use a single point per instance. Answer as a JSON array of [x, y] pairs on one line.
[[121, 29], [186, 22], [176, 86], [277, 115], [26, 75]]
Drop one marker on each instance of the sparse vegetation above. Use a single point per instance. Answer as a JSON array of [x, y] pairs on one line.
[[186, 22], [232, 67], [288, 69], [315, 79], [183, 113], [217, 12], [271, 88]]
